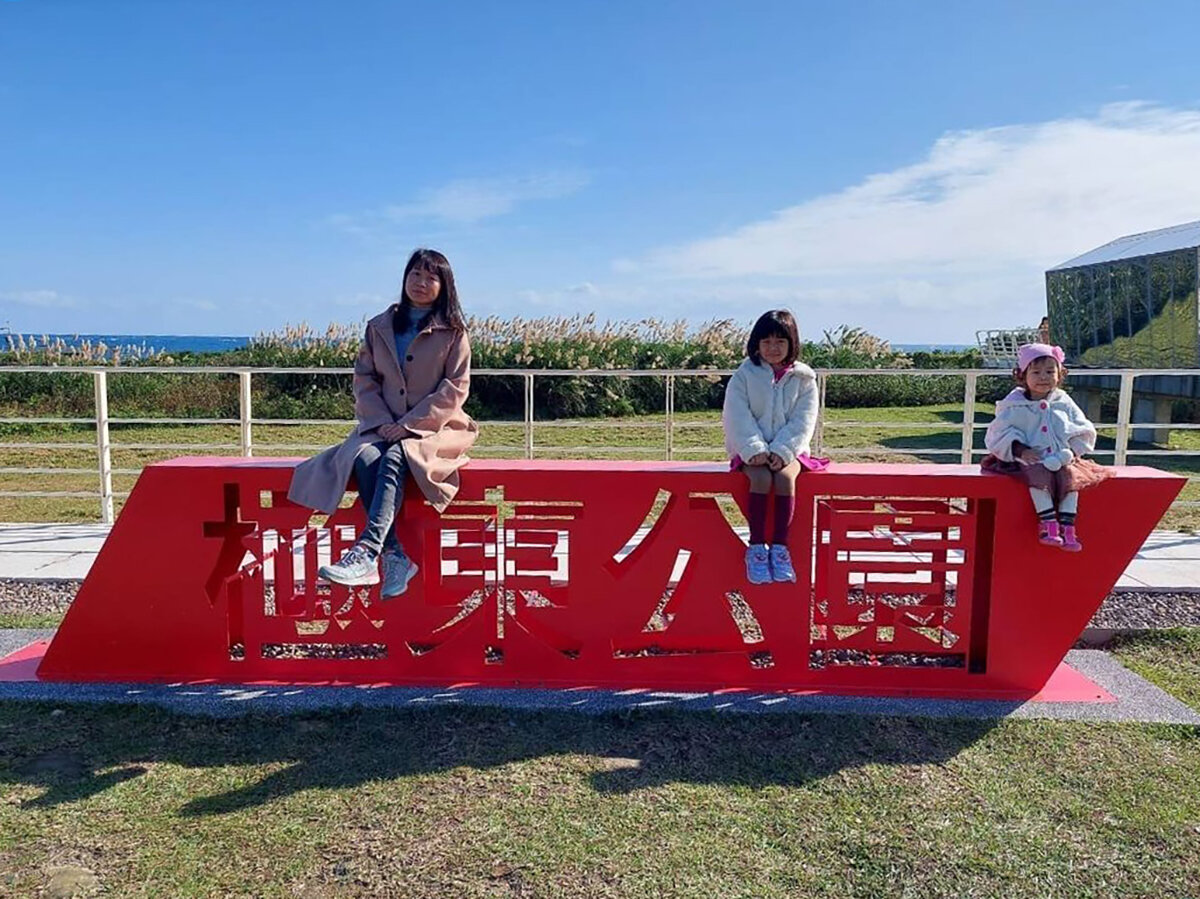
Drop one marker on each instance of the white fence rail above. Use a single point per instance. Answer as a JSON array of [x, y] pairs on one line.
[[103, 422]]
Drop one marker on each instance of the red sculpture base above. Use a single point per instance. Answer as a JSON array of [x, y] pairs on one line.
[[913, 579], [1065, 683]]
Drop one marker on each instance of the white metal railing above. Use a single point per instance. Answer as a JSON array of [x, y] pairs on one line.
[[245, 421], [998, 346]]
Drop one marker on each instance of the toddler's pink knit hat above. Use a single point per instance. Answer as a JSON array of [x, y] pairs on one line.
[[1030, 351]]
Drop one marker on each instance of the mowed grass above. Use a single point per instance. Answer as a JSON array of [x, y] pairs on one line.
[[31, 619], [1168, 658], [921, 433], [481, 803], [470, 802]]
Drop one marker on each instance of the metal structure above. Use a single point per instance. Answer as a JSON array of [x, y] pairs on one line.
[[914, 579], [998, 346], [1124, 380], [1131, 303]]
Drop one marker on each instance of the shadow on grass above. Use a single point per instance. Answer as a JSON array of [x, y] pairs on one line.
[[84, 750]]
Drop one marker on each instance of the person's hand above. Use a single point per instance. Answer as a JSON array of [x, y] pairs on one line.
[[774, 462], [757, 459], [1030, 456], [392, 433]]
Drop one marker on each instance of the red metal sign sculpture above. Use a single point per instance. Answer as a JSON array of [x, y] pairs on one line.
[[919, 579]]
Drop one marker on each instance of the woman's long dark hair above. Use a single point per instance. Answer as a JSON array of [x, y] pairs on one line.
[[446, 303]]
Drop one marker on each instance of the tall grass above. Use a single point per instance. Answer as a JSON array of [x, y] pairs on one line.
[[576, 342], [32, 350]]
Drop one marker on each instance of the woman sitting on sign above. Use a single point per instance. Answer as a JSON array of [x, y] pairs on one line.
[[411, 379]]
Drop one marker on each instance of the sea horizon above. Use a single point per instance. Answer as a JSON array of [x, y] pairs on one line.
[[219, 343], [166, 343]]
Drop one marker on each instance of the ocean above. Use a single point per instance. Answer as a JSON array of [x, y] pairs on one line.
[[207, 343], [167, 343], [930, 347]]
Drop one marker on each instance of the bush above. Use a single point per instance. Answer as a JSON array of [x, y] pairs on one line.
[[571, 343]]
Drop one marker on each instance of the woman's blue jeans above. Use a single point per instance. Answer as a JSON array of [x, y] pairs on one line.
[[379, 469]]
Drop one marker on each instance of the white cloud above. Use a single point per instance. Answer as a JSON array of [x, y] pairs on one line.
[[197, 305], [471, 200], [965, 233], [362, 300], [39, 299], [357, 225], [463, 202]]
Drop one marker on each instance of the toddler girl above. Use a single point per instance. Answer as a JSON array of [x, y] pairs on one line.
[[1041, 435], [769, 415]]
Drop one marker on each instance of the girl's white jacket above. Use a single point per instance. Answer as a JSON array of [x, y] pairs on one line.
[[1048, 425], [762, 415]]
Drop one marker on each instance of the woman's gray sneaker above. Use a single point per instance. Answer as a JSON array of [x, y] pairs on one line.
[[398, 570], [356, 568]]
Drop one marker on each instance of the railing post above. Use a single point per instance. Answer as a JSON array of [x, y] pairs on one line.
[[968, 434], [528, 415], [819, 433], [1124, 410], [103, 445], [670, 417], [244, 412]]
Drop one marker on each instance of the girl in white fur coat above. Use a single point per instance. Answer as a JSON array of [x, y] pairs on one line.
[[769, 415], [1041, 435]]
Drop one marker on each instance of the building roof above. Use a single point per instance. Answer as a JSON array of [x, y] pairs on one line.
[[1177, 237]]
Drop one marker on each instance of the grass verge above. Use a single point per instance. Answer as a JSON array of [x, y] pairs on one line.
[[30, 619], [478, 802], [1169, 658], [916, 433]]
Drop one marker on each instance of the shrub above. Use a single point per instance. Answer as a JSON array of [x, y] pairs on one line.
[[571, 343]]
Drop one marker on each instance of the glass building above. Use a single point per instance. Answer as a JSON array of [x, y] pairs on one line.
[[1131, 303]]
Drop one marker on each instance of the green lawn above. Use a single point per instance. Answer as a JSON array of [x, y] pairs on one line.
[[476, 802], [913, 433], [1169, 658], [30, 619], [470, 802]]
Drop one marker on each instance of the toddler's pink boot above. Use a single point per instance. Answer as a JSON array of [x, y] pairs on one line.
[[1048, 533], [1070, 542]]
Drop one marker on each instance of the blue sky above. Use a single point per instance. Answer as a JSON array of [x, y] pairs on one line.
[[230, 166]]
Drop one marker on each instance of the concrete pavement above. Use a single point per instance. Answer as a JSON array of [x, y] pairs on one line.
[[55, 552], [1169, 560]]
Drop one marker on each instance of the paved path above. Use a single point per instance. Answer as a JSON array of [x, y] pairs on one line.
[[1169, 560], [49, 551]]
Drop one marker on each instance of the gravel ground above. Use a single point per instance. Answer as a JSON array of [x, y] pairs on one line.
[[1119, 610], [36, 597], [1148, 609]]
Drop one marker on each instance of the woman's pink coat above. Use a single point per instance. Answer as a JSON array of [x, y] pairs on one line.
[[424, 392]]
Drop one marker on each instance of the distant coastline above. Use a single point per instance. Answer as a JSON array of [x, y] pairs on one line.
[[166, 343], [932, 347], [202, 343]]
